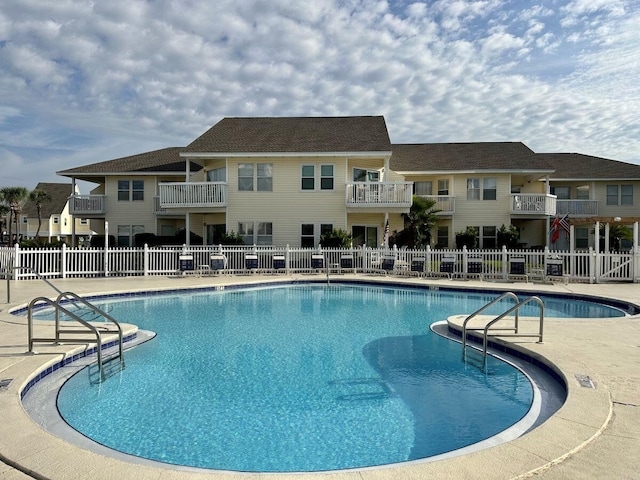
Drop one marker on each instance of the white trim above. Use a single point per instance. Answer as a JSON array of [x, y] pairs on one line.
[[187, 155], [482, 171]]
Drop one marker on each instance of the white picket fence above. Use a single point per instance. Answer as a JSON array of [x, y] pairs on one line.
[[587, 266]]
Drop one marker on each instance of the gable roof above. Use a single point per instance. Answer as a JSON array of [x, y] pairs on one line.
[[571, 166], [294, 135], [163, 160], [433, 157], [59, 193]]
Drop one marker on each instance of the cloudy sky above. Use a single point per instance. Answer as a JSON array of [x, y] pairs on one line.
[[83, 81]]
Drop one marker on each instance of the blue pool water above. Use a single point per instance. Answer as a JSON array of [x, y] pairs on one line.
[[299, 378]]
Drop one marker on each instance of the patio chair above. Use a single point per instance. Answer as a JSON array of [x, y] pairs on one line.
[[251, 263], [317, 262], [388, 264], [517, 270], [217, 264], [417, 267], [279, 264], [447, 267], [346, 263], [474, 267]]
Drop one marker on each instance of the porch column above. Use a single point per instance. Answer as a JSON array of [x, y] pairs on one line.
[[606, 237], [73, 218], [187, 227]]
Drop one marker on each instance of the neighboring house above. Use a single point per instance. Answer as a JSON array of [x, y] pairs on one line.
[[288, 180], [57, 222]]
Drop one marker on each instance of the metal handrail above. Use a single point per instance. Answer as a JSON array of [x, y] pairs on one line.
[[515, 308], [59, 308], [97, 310], [34, 272], [479, 311]]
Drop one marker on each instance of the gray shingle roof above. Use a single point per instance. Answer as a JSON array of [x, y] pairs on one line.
[[587, 167], [294, 134], [59, 193], [465, 156], [164, 160]]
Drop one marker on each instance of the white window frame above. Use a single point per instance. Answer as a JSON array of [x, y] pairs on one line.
[[256, 233], [317, 230], [422, 186], [369, 175], [318, 177], [258, 177]]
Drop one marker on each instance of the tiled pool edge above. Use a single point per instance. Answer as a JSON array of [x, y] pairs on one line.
[[70, 358]]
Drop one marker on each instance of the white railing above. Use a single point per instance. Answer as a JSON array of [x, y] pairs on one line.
[[87, 204], [577, 208], [194, 194], [445, 204], [586, 266], [379, 194], [533, 204]]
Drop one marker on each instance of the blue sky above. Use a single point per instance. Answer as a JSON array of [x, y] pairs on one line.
[[85, 81]]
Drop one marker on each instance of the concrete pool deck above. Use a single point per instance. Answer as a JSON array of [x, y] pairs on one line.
[[596, 434]]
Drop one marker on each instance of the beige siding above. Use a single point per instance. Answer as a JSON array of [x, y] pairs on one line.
[[130, 212], [287, 207], [605, 210], [478, 213]]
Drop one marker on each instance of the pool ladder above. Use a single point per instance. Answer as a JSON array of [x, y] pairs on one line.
[[65, 334], [493, 320]]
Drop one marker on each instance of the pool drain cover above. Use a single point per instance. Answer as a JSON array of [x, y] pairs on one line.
[[584, 381], [4, 383]]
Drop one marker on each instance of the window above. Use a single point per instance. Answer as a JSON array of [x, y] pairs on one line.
[[488, 237], [626, 194], [245, 177], [363, 175], [582, 192], [423, 188], [263, 179], [443, 237], [563, 193], [130, 190], [55, 219], [489, 188], [216, 233], [619, 194], [25, 219], [245, 230], [127, 233], [581, 237], [363, 235], [307, 239], [84, 221], [473, 189], [443, 187], [265, 233], [217, 174], [308, 177], [326, 177]]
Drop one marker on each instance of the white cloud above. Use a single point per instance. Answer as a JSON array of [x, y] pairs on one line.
[[80, 74]]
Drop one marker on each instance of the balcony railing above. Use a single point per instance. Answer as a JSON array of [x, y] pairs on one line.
[[379, 194], [445, 204], [533, 204], [87, 205], [196, 194], [578, 208]]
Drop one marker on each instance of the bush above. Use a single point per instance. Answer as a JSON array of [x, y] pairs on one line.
[[336, 238], [508, 236], [468, 238], [98, 241], [231, 238]]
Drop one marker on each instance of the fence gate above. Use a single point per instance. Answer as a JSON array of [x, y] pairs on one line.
[[616, 266]]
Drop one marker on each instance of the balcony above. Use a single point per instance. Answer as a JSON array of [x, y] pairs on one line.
[[533, 204], [196, 194], [578, 208], [445, 204], [87, 205], [379, 194]]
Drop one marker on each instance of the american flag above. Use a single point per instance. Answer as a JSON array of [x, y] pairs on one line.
[[386, 235], [560, 223]]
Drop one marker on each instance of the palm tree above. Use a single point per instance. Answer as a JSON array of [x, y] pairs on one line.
[[419, 222], [13, 197], [39, 197]]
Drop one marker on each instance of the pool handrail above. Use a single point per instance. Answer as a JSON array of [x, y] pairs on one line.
[[479, 311]]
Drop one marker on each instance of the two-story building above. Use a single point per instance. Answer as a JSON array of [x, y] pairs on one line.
[[287, 180], [56, 223]]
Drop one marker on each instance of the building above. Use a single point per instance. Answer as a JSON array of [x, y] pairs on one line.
[[57, 223], [287, 180]]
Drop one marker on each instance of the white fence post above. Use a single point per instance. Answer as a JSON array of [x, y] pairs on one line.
[[287, 259], [592, 265], [428, 259], [63, 261], [146, 260], [505, 260], [17, 264]]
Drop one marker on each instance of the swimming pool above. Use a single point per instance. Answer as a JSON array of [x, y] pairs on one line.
[[299, 378]]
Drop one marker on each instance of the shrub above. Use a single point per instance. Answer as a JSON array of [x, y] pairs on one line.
[[336, 238]]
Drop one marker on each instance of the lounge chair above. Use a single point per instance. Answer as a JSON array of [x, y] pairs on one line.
[[279, 264], [346, 263], [388, 264], [217, 264], [251, 263], [417, 267], [317, 262]]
